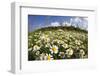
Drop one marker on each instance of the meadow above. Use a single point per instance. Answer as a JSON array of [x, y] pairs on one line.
[[54, 43]]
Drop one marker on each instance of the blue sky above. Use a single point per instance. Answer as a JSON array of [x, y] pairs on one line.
[[37, 21]]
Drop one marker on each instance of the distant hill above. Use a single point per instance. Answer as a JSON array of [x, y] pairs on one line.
[[60, 27]]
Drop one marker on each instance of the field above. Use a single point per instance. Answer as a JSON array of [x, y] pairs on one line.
[[54, 43]]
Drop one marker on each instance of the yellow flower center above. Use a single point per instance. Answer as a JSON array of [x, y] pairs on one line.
[[49, 58], [54, 49]]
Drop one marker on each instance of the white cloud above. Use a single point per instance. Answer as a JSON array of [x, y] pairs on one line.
[[76, 22], [79, 22], [85, 23], [71, 21], [77, 19], [55, 24], [65, 23]]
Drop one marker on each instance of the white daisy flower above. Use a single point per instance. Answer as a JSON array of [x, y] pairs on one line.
[[82, 53], [37, 52], [54, 49], [58, 41], [38, 42], [45, 38], [36, 47], [47, 45], [42, 56], [69, 52], [77, 42], [48, 57], [62, 54], [65, 46], [61, 42]]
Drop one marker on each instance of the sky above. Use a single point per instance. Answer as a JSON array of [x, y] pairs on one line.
[[38, 21]]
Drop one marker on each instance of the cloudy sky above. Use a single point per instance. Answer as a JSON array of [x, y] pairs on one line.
[[38, 21]]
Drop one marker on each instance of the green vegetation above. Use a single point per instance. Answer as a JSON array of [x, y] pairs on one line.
[[53, 43]]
